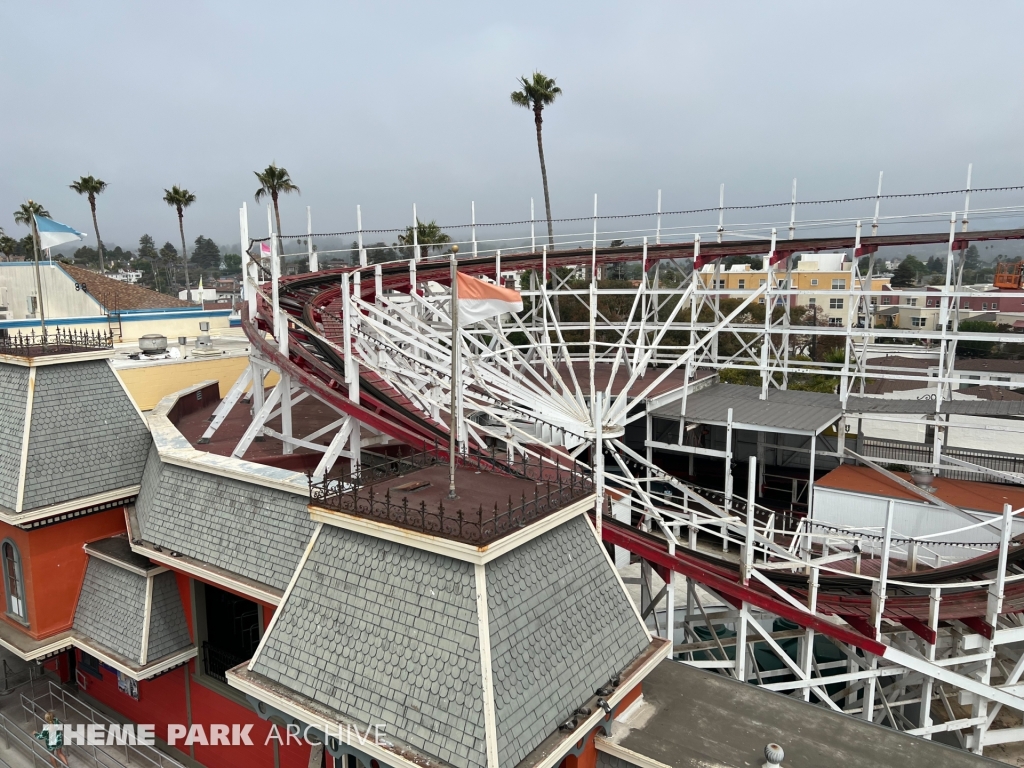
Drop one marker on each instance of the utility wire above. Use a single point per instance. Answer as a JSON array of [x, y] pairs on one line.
[[788, 203]]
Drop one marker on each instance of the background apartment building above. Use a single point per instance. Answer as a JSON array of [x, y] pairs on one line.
[[823, 279]]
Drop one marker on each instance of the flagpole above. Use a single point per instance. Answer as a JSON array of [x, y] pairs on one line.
[[453, 427], [39, 280]]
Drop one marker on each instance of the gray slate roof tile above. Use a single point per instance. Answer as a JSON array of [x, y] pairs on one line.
[[561, 626], [86, 436], [350, 637], [111, 607], [248, 529], [13, 397], [168, 630]]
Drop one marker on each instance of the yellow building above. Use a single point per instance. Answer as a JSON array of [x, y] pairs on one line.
[[822, 280]]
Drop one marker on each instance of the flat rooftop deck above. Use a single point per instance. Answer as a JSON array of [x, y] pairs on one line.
[[698, 719]]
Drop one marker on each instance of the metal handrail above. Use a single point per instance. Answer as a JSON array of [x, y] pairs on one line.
[[148, 756]]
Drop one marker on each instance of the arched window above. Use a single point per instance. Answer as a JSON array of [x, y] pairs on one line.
[[13, 584]]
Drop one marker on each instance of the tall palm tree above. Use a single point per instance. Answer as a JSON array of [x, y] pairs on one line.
[[537, 93], [427, 236], [91, 186], [275, 181], [180, 199]]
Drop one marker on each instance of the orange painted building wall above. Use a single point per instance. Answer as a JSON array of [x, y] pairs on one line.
[[53, 565]]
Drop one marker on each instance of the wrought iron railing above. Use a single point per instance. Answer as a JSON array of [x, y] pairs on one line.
[[56, 342], [217, 661], [356, 494]]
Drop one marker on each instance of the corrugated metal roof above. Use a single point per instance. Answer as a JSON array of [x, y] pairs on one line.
[[907, 406], [789, 410]]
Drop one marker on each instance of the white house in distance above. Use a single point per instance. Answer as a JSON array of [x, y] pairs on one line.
[[75, 298]]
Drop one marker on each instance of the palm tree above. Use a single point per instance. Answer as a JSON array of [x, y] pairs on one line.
[[180, 199], [91, 186], [275, 181], [427, 236], [27, 210], [538, 92]]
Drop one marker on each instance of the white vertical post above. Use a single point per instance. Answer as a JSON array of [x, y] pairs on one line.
[[934, 600], [878, 202], [359, 228], [314, 265], [598, 417], [281, 334], [275, 277], [879, 587], [250, 274], [657, 232], [721, 212], [351, 369], [807, 646], [993, 609], [670, 598], [533, 230], [593, 304], [967, 200], [748, 541], [497, 267], [412, 277], [769, 308], [378, 285], [792, 214], [472, 225], [741, 644], [415, 234], [728, 480], [810, 490]]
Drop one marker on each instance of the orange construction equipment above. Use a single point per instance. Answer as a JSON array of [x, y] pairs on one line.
[[1008, 274]]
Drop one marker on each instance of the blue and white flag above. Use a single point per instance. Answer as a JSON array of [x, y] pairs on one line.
[[53, 233]]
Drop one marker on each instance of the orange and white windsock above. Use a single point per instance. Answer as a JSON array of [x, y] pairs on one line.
[[479, 300]]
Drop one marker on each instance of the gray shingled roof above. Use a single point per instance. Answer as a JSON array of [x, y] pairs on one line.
[[85, 435], [245, 528], [784, 409], [561, 627], [857, 404], [168, 630], [112, 607], [385, 634], [13, 396]]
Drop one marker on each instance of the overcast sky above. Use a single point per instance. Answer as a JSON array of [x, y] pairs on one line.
[[386, 104]]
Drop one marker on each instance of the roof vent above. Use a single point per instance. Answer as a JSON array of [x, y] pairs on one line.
[[773, 756], [922, 479], [153, 344]]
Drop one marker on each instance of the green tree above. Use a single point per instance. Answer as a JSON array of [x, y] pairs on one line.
[[206, 254], [538, 92], [169, 260], [976, 348], [274, 182], [147, 248], [935, 265], [86, 255], [428, 236], [90, 187], [906, 273], [232, 263], [8, 246], [180, 199]]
